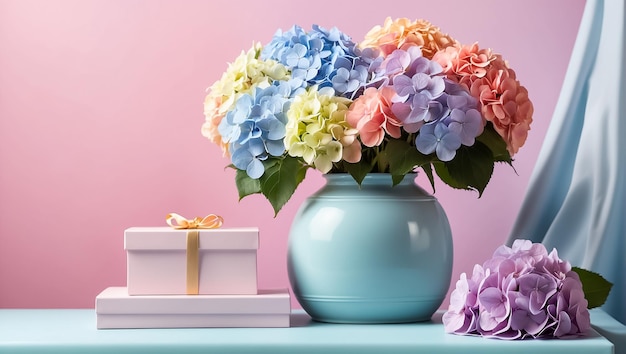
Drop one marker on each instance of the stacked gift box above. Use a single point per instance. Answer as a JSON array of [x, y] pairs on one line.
[[191, 278]]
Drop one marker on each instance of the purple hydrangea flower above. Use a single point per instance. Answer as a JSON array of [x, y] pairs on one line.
[[463, 312], [442, 112], [466, 125], [521, 292], [255, 128], [418, 85]]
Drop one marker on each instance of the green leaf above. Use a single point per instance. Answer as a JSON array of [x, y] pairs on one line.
[[472, 167], [280, 180], [395, 179], [428, 170], [595, 287], [442, 171], [246, 185], [495, 143], [403, 158], [358, 170]]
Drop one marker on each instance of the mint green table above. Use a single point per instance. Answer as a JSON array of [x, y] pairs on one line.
[[74, 331]]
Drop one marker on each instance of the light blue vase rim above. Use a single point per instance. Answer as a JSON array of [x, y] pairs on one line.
[[370, 178], [377, 181]]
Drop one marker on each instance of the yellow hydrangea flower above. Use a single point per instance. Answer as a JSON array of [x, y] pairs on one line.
[[317, 130], [246, 73]]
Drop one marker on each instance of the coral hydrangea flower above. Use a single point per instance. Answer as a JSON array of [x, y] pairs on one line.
[[403, 33], [521, 292], [464, 64], [212, 104], [371, 115], [318, 132], [505, 103]]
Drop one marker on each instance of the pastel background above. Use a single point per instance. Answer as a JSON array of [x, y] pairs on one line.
[[100, 115]]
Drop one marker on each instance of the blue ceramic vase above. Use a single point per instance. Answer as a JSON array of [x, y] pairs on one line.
[[371, 254]]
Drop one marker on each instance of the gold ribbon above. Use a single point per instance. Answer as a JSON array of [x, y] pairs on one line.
[[177, 221]]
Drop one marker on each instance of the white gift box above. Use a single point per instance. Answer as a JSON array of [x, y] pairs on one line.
[[157, 260], [116, 309]]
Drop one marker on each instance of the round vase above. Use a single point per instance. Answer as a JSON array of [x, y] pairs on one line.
[[374, 253]]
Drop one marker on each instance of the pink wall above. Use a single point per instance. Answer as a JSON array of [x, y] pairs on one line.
[[100, 114]]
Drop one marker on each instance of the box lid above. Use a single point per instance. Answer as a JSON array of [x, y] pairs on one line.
[[166, 238], [115, 300]]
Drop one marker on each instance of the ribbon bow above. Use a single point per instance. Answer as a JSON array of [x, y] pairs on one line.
[[210, 221]]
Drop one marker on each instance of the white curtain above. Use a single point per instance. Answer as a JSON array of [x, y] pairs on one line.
[[576, 200]]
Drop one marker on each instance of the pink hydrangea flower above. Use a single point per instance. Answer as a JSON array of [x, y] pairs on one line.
[[521, 292]]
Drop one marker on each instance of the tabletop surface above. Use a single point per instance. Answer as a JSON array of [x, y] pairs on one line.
[[74, 331]]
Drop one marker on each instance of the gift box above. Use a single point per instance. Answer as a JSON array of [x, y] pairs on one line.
[[159, 261], [116, 309]]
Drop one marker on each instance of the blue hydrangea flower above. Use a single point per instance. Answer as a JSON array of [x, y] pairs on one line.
[[255, 128], [437, 137], [326, 58]]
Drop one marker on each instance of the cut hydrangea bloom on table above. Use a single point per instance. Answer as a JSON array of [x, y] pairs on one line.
[[521, 292]]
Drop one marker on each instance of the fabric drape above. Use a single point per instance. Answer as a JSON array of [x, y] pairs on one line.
[[577, 193]]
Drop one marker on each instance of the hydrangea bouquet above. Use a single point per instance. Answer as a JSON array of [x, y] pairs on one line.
[[407, 97], [524, 292]]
